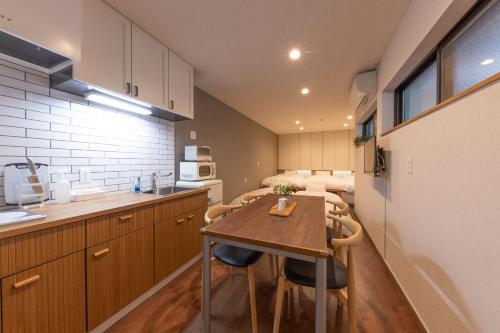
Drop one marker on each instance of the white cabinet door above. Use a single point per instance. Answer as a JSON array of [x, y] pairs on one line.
[[283, 152], [52, 24], [148, 79], [328, 150], [294, 151], [180, 86], [341, 150], [305, 151], [106, 37], [317, 151]]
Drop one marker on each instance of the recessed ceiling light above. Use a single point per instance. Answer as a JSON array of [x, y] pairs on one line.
[[349, 117], [301, 128], [345, 125], [294, 54], [297, 122], [487, 62], [305, 91]]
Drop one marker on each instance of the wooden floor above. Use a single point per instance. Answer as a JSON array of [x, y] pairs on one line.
[[381, 304]]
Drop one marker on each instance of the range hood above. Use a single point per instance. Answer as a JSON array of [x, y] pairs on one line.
[[30, 55], [60, 69]]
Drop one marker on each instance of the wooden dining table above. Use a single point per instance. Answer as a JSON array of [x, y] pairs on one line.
[[302, 235]]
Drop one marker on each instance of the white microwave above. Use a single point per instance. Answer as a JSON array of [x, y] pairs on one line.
[[197, 153], [194, 171]]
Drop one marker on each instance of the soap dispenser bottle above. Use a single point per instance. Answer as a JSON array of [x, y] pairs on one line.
[[63, 188]]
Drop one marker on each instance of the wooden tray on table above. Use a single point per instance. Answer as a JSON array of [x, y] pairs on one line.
[[287, 212]]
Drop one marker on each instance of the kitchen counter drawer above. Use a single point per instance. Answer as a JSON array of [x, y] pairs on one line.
[[104, 228], [171, 209], [45, 299], [28, 250]]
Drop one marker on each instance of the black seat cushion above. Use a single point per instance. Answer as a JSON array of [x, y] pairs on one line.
[[330, 234], [304, 273], [236, 256]]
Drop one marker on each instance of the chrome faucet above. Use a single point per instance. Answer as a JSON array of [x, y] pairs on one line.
[[156, 180]]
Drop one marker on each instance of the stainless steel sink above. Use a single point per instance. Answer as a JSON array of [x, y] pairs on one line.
[[168, 190]]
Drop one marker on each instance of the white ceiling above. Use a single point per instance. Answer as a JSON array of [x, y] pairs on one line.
[[239, 49]]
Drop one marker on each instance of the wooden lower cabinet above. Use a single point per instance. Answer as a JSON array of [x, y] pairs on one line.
[[48, 298], [177, 241], [118, 272]]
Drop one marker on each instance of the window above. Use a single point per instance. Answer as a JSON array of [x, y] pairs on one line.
[[369, 126], [468, 55]]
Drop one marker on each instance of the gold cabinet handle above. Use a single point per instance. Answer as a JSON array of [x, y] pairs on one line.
[[101, 252], [179, 221], [26, 281], [190, 217], [125, 217]]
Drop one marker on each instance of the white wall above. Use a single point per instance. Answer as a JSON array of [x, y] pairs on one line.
[[332, 150], [63, 131], [438, 226]]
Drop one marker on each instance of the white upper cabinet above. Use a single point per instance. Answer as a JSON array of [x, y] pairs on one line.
[[52, 24], [149, 58], [106, 48], [180, 86]]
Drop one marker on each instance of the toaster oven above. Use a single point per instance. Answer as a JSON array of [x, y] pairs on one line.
[[197, 153]]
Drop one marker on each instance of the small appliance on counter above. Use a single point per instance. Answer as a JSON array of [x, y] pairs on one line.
[[199, 171], [26, 183], [197, 153]]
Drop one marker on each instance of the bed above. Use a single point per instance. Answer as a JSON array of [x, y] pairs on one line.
[[336, 181]]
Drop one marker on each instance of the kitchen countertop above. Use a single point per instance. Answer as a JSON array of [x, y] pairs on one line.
[[59, 214]]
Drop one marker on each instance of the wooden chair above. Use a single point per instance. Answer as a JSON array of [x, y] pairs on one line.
[[236, 256], [340, 208], [249, 197], [340, 276]]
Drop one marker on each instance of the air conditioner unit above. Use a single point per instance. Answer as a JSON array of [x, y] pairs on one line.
[[363, 88]]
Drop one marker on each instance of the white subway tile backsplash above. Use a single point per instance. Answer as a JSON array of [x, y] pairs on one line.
[[47, 117], [33, 133], [12, 151], [26, 123], [33, 78], [65, 132], [69, 145], [87, 153], [12, 92], [23, 104], [47, 100], [49, 152], [69, 160], [20, 84], [23, 142], [12, 131], [11, 72]]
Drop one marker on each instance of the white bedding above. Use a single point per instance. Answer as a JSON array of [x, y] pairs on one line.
[[336, 183]]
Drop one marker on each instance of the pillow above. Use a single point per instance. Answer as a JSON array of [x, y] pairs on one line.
[[315, 188], [323, 173], [304, 172], [342, 173], [290, 172]]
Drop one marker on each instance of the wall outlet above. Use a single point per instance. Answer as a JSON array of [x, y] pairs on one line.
[[192, 135], [85, 176], [410, 165]]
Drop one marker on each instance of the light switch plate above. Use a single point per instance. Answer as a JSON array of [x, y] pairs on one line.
[[410, 165], [192, 135], [85, 176]]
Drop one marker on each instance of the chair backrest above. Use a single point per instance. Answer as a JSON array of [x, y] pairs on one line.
[[249, 197], [353, 226], [340, 208], [218, 211]]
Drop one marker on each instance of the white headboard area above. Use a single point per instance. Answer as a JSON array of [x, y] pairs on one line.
[[332, 150]]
